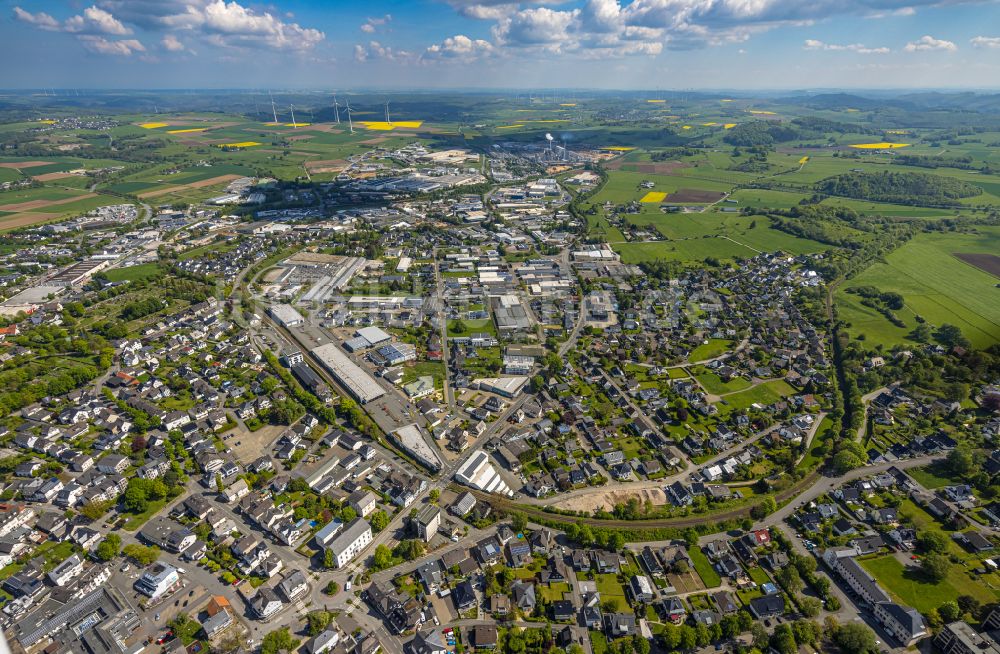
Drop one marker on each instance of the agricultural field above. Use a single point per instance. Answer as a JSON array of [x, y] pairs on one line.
[[935, 284]]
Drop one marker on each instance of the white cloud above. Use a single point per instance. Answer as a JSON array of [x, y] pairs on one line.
[[929, 43], [986, 42], [542, 26], [459, 47], [172, 43], [371, 25], [813, 44], [101, 45], [376, 51], [227, 24], [94, 20], [40, 20]]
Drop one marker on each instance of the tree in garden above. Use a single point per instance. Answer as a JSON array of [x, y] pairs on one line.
[[277, 640], [109, 547]]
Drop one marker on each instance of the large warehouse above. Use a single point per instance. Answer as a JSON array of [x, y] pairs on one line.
[[350, 375], [480, 474], [286, 315]]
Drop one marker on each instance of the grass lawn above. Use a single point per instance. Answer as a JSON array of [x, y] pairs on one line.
[[598, 643], [766, 393], [712, 383], [930, 477], [53, 553], [907, 584], [715, 347], [704, 568], [472, 327], [139, 519], [554, 592], [610, 589], [134, 273], [757, 574]]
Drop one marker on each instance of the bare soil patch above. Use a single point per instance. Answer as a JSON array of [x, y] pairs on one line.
[[41, 204], [25, 219], [986, 262], [301, 137], [695, 195], [48, 177], [24, 164], [660, 167], [608, 499], [221, 179], [376, 140]]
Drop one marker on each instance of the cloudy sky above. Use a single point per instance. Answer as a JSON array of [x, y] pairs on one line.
[[615, 44]]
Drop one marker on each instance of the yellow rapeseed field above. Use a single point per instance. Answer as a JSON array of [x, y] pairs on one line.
[[758, 112], [47, 122], [729, 125], [510, 126], [654, 196], [803, 160], [567, 104], [656, 101], [152, 125], [382, 126], [241, 144], [686, 127], [618, 148], [187, 131], [709, 124], [297, 124], [880, 146]]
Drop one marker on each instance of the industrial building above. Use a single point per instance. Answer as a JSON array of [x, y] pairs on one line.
[[77, 274], [99, 623], [480, 474], [509, 314], [286, 315], [361, 385], [411, 439], [365, 338], [509, 387]]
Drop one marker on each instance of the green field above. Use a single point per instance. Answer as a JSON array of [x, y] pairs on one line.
[[935, 285], [704, 568], [712, 383], [713, 348], [134, 273], [907, 584], [766, 393]]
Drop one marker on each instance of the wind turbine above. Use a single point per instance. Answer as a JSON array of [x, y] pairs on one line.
[[292, 108], [350, 123], [336, 108], [273, 110], [387, 112]]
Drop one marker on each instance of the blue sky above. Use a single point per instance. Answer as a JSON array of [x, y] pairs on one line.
[[614, 44]]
